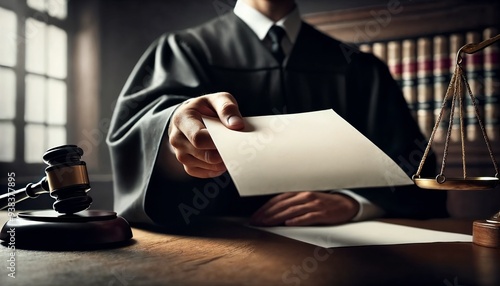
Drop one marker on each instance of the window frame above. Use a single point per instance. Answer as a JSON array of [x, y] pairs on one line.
[[22, 168]]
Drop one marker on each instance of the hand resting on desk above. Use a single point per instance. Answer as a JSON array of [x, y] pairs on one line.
[[306, 208]]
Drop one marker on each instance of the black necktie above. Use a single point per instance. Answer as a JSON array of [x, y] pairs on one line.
[[276, 35]]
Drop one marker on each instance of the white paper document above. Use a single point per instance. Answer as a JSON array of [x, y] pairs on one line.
[[311, 151], [365, 233]]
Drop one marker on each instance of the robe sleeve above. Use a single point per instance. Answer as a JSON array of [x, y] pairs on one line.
[[165, 76], [386, 120]]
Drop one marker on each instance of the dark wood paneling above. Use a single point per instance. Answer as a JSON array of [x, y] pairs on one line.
[[398, 19]]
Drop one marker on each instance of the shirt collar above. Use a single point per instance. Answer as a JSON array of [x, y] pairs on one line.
[[260, 24]]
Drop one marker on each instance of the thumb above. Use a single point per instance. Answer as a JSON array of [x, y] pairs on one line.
[[227, 110], [235, 122]]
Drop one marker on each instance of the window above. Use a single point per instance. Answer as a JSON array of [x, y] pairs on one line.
[[33, 78], [8, 30]]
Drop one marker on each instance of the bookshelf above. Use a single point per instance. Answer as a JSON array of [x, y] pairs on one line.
[[418, 40]]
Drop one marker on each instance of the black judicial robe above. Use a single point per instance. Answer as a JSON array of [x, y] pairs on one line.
[[225, 55]]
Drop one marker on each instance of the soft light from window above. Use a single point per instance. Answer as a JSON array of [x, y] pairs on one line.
[[7, 141], [34, 146], [35, 46], [44, 45], [56, 97], [7, 93], [55, 8], [57, 52], [39, 5], [56, 136], [8, 40], [35, 99], [58, 8]]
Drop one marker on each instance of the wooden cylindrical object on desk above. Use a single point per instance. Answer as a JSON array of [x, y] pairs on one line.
[[487, 232]]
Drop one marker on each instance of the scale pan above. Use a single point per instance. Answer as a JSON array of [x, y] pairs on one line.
[[458, 184]]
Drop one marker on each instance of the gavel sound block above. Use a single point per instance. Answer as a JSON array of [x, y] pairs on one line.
[[69, 225], [487, 232]]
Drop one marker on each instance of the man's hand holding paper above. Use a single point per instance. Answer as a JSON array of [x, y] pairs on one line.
[[315, 151], [293, 154], [189, 139]]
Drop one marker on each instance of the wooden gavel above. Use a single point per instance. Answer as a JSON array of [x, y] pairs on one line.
[[66, 181]]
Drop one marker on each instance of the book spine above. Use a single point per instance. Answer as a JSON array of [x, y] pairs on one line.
[[425, 90], [409, 75], [456, 42], [492, 86], [394, 60], [380, 51], [474, 72], [441, 73], [366, 48]]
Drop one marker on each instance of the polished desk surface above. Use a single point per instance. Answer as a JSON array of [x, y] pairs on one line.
[[227, 253]]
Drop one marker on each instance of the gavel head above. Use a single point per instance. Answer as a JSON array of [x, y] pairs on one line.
[[67, 179]]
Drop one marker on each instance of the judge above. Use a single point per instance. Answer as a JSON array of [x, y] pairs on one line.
[[260, 59]]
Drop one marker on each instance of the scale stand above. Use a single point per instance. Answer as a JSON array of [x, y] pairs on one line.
[[485, 232]]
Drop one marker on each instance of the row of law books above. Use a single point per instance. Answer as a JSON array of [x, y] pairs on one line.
[[423, 67]]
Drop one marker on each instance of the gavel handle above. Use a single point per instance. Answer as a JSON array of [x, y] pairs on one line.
[[30, 191]]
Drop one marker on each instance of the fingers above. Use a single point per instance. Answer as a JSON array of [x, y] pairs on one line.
[[189, 138], [202, 173], [227, 110], [274, 205], [306, 208], [200, 163], [285, 206], [189, 125], [287, 216], [310, 218]]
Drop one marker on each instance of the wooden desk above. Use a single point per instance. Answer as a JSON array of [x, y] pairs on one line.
[[225, 253]]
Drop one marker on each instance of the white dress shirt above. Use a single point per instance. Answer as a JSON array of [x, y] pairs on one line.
[[291, 23], [260, 24]]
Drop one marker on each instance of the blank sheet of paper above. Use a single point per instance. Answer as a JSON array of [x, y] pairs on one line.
[[310, 151], [365, 233]]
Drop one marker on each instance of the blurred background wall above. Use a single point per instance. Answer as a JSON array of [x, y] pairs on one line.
[[105, 40]]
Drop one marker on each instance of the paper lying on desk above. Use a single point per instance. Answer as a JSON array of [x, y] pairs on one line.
[[311, 151], [365, 233]]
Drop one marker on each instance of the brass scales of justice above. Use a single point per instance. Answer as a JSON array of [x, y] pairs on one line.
[[485, 232]]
